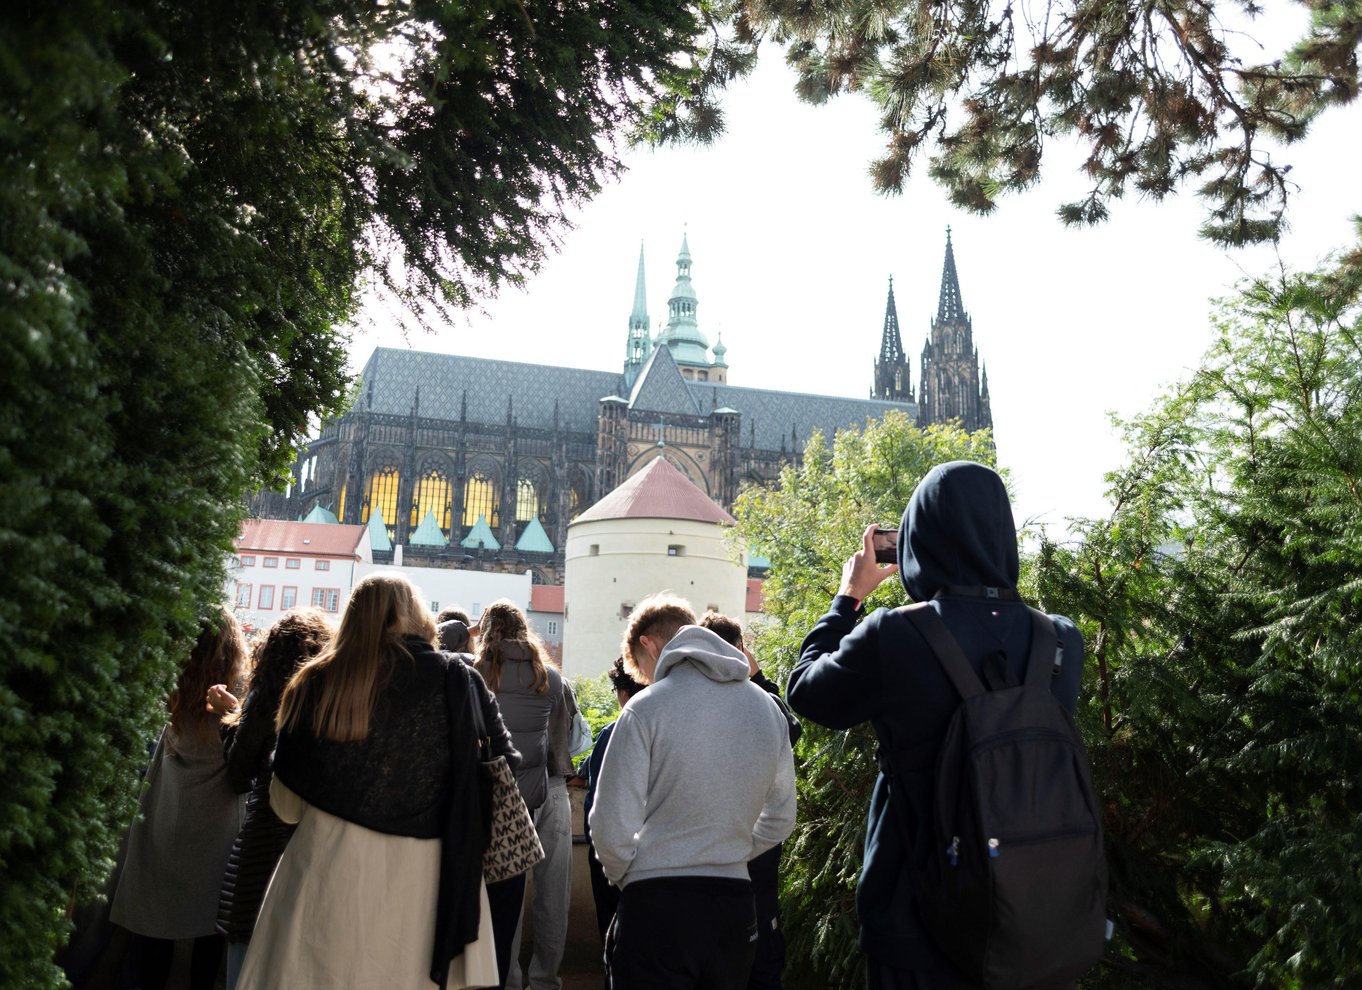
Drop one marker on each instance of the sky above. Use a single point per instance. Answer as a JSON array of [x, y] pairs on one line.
[[792, 253]]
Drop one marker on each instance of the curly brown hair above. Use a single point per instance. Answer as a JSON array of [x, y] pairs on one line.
[[218, 657], [298, 636], [504, 622]]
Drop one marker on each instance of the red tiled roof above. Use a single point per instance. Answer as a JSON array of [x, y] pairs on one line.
[[546, 598], [313, 539], [755, 598], [659, 491]]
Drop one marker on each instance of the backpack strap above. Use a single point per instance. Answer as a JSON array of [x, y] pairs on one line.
[[947, 650], [1045, 653]]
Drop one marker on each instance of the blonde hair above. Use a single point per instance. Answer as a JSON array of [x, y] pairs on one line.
[[218, 657], [503, 622], [659, 616], [383, 608]]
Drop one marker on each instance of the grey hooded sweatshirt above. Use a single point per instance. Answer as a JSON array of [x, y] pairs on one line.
[[698, 777]]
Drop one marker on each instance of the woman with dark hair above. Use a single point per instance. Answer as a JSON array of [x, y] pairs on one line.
[[189, 816], [248, 737], [514, 663], [381, 884]]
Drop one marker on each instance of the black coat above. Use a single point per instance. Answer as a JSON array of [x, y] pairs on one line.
[[957, 533]]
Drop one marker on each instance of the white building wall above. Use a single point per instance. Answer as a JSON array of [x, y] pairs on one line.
[[274, 590], [470, 590], [613, 564]]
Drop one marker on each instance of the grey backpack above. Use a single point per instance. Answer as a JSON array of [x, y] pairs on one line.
[[1014, 886]]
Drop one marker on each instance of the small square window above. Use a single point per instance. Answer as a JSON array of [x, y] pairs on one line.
[[327, 599], [595, 550], [288, 597], [270, 562], [676, 550], [248, 561], [323, 565], [553, 628], [293, 563], [626, 609], [243, 596]]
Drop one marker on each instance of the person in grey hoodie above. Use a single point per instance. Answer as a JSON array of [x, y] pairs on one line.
[[698, 779]]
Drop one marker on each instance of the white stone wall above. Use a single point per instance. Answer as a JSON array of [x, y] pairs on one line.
[[470, 590], [612, 564]]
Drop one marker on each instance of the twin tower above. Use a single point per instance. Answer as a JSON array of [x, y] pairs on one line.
[[952, 384]]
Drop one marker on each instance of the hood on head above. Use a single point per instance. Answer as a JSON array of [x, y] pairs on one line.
[[717, 660], [957, 530], [453, 636]]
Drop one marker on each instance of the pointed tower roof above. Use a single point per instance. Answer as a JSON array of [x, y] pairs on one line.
[[682, 333], [660, 387], [428, 533], [639, 314], [378, 532], [950, 309], [534, 539], [480, 536], [659, 491], [891, 343]]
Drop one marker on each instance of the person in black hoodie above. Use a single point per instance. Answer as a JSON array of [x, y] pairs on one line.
[[957, 539]]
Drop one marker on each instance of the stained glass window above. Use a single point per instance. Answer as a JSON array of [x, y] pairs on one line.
[[526, 501], [432, 495], [480, 498], [382, 496]]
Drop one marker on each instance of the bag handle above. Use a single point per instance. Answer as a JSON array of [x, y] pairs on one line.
[[1045, 651], [472, 708]]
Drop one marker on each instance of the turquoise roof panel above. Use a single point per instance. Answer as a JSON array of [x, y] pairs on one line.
[[534, 539], [480, 537], [320, 515], [428, 533], [378, 532]]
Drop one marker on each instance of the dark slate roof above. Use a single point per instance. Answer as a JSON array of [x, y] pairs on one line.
[[392, 376], [775, 413], [660, 387]]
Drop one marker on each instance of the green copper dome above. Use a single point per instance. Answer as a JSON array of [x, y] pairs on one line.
[[682, 335]]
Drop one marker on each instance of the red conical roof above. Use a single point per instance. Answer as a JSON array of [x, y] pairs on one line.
[[659, 491]]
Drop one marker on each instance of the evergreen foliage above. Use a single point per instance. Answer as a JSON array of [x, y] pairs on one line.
[[1157, 94], [190, 196], [807, 527], [1221, 606]]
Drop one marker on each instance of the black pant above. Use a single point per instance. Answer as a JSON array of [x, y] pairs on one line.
[[506, 900], [769, 961], [603, 892], [684, 933], [159, 953]]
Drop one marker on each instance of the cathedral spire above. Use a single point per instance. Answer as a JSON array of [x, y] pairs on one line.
[[950, 309], [892, 382], [639, 344], [682, 334], [891, 344]]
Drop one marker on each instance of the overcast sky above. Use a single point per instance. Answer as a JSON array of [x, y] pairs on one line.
[[793, 251]]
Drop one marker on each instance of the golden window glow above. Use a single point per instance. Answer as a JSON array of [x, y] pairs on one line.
[[432, 495], [382, 497], [480, 499], [340, 508], [526, 501]]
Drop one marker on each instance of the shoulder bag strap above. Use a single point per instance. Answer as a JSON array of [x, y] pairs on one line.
[[947, 650], [1044, 659]]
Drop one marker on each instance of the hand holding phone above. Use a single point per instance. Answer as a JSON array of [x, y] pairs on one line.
[[885, 540]]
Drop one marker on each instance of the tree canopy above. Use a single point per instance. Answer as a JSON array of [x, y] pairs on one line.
[[1157, 94]]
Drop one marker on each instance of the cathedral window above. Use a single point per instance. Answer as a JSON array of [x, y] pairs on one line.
[[526, 501], [340, 506], [382, 497], [480, 498], [432, 494]]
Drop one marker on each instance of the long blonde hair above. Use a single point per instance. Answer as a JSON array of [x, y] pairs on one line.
[[349, 672], [503, 622]]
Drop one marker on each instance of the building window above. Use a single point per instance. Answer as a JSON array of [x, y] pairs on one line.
[[327, 599], [288, 596], [382, 497], [626, 609], [248, 561], [480, 498], [432, 494], [526, 501], [266, 599], [340, 505], [271, 562], [435, 607], [243, 596], [293, 563], [595, 550], [323, 565], [676, 550], [553, 628]]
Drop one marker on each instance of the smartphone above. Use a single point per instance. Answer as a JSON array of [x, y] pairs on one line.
[[885, 540]]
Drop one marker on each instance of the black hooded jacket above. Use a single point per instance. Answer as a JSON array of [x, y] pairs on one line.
[[957, 534]]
